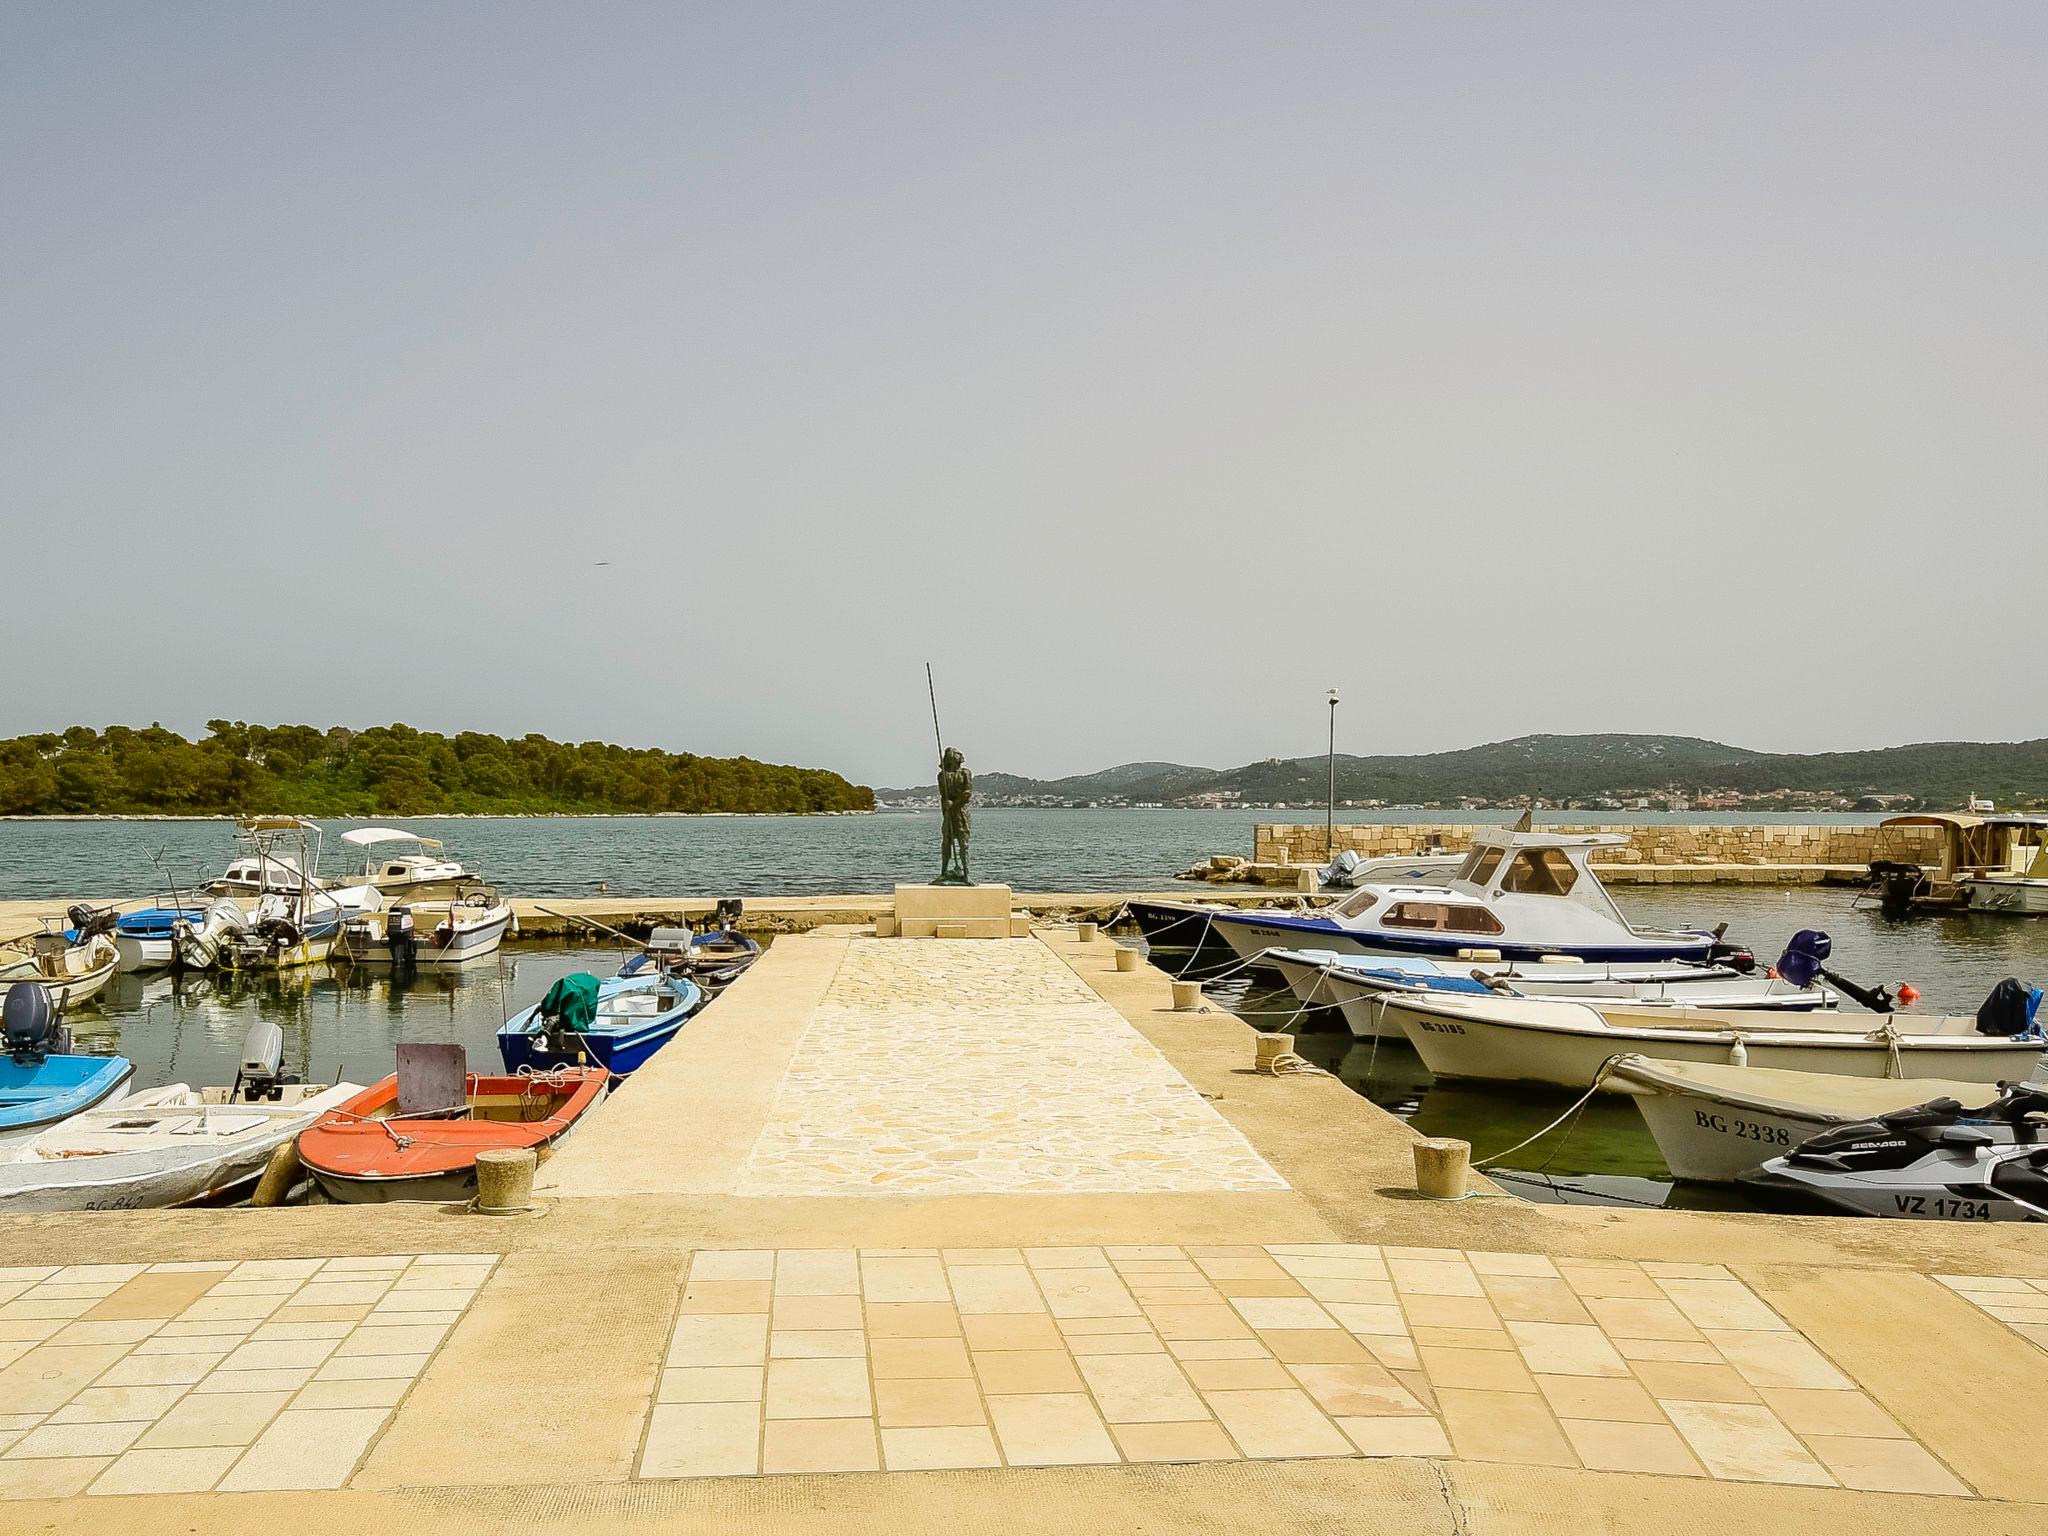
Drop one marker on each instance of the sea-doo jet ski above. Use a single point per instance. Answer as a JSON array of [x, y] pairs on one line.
[[1935, 1162]]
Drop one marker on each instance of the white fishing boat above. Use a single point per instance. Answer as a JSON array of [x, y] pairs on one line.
[[1714, 1122], [261, 875], [1565, 1045], [1520, 894], [170, 1146], [283, 928], [439, 933], [420, 874], [1357, 985], [71, 964]]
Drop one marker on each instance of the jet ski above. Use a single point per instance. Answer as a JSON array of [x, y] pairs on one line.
[[1935, 1162]]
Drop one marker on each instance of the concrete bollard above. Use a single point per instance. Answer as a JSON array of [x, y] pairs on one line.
[[504, 1180], [1085, 932], [1270, 1049], [1187, 996], [1442, 1166], [279, 1175], [1127, 959]]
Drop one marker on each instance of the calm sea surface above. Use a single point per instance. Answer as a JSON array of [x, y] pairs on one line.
[[337, 1024], [705, 855]]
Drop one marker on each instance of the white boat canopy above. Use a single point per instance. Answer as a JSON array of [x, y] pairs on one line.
[[366, 837]]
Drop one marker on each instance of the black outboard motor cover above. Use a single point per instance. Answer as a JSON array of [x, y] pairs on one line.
[[1890, 1141], [87, 921], [27, 1021], [2009, 1010]]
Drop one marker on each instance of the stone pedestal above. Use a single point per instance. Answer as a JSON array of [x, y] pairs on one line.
[[952, 911]]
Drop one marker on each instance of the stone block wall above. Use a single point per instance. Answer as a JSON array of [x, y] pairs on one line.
[[1660, 843]]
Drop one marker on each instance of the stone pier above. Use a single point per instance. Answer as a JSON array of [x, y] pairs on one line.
[[942, 1235]]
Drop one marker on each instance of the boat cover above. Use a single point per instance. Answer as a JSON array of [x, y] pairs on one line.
[[573, 1002]]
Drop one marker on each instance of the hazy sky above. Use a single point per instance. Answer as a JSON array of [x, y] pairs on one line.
[[1152, 367]]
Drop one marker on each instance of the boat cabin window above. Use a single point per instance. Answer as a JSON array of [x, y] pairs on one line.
[[1484, 861], [1541, 872], [1441, 917], [1357, 904]]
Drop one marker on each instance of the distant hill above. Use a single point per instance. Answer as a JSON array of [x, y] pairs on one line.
[[386, 770], [1560, 768]]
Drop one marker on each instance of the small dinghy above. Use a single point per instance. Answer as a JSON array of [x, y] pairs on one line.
[[74, 956], [170, 1146], [616, 1024], [1936, 1162], [416, 1134], [714, 958], [40, 1086]]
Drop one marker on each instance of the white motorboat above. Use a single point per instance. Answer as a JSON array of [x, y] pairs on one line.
[[1566, 1045], [422, 873], [169, 1146], [1519, 895], [1714, 1122], [283, 928], [261, 875], [1996, 861], [428, 933], [1356, 985]]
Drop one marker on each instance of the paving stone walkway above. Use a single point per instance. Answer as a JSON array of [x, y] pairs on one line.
[[842, 1360], [966, 1067], [2019, 1303], [178, 1378]]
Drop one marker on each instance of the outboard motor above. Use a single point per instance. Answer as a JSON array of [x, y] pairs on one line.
[[727, 913], [1803, 963], [1342, 871], [28, 1024], [399, 936], [89, 922], [259, 1077], [1897, 885]]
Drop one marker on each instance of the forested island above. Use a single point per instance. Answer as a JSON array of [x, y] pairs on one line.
[[388, 770]]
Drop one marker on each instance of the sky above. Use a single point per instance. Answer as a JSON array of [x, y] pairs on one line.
[[689, 375]]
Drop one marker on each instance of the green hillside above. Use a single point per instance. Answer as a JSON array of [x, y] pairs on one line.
[[387, 770]]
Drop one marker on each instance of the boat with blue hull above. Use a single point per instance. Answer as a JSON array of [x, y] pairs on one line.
[[616, 1023], [40, 1087], [1519, 895]]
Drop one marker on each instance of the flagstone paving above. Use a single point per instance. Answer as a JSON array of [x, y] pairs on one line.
[[824, 1360], [2020, 1304], [268, 1374], [969, 1067]]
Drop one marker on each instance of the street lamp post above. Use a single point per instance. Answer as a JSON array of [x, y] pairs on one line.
[[1330, 818]]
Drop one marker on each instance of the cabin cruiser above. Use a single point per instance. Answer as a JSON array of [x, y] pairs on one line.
[[421, 873], [1520, 894], [1995, 862], [261, 875]]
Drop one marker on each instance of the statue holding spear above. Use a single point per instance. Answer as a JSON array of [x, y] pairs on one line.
[[956, 789]]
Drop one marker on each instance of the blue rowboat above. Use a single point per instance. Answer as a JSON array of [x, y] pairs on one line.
[[37, 1092], [635, 1017]]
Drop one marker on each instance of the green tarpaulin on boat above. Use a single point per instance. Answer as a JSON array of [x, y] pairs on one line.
[[572, 1001]]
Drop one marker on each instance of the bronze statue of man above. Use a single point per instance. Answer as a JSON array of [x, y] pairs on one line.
[[956, 788]]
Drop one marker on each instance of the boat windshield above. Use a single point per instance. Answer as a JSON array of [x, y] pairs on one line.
[[1541, 872], [1357, 904]]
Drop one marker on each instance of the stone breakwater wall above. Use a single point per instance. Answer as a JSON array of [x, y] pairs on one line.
[[1672, 843]]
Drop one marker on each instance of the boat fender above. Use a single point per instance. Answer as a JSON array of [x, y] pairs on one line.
[[1738, 1053]]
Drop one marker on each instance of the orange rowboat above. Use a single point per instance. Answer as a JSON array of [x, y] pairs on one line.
[[364, 1152]]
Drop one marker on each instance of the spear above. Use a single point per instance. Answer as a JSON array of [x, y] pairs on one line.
[[933, 691]]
